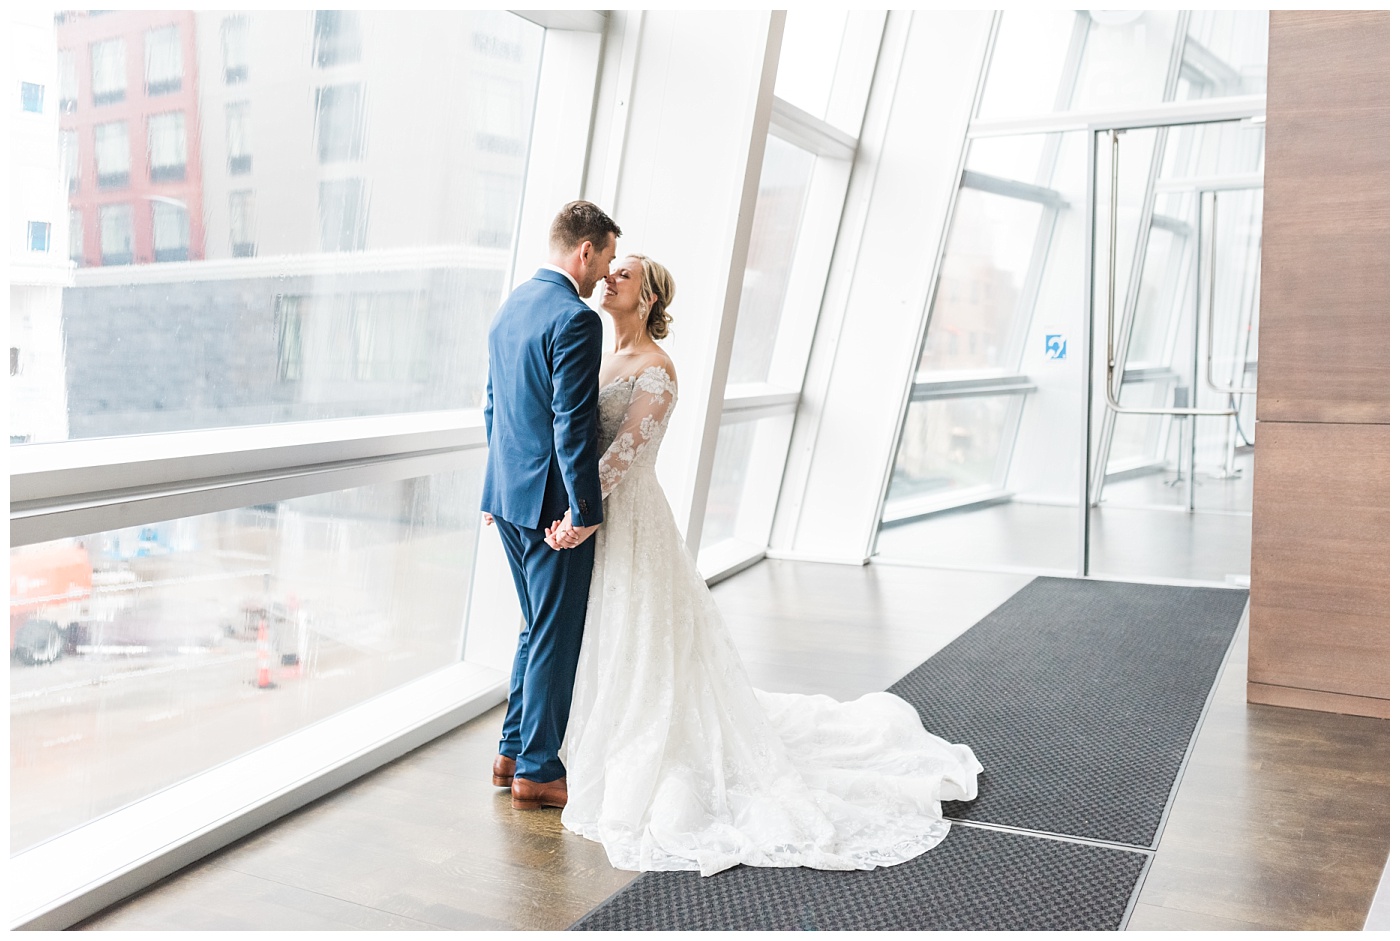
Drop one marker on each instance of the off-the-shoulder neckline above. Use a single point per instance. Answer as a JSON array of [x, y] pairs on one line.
[[658, 368]]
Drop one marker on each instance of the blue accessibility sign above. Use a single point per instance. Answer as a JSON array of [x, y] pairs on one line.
[[1056, 346]]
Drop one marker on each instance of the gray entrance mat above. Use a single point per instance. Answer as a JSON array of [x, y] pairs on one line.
[[974, 880], [1080, 699]]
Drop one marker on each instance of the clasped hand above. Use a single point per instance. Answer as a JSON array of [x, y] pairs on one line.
[[563, 534]]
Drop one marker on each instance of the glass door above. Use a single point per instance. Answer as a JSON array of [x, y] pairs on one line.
[[1175, 289]]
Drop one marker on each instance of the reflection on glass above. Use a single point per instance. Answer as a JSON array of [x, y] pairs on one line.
[[782, 195], [1127, 58], [1137, 439], [1239, 221], [163, 61], [827, 60], [749, 459], [141, 657], [1223, 149], [1226, 53], [1047, 61], [166, 134], [365, 183], [1028, 63], [1162, 296], [732, 452], [980, 282], [807, 65], [949, 445]]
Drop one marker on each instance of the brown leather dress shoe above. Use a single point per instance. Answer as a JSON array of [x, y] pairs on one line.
[[502, 771], [533, 795]]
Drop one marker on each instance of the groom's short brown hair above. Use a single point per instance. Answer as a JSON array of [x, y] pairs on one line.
[[581, 221]]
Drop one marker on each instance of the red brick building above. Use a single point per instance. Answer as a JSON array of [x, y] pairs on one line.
[[128, 90]]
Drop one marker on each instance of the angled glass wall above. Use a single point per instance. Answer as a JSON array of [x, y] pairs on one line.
[[244, 412], [992, 464], [824, 74]]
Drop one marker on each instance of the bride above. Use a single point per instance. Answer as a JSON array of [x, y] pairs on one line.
[[674, 760]]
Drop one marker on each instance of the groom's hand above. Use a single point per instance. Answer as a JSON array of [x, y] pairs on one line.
[[563, 534]]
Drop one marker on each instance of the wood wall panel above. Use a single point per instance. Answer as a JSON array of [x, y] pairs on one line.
[[1319, 635], [1324, 335], [1320, 580]]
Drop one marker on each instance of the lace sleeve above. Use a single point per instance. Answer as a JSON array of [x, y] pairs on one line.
[[652, 397]]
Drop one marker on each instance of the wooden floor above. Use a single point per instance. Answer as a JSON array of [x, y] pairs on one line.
[[1281, 820]]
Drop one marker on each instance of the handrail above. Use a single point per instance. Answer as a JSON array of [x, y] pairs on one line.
[[1110, 394], [1210, 310]]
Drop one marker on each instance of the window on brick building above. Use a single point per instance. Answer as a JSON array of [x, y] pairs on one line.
[[116, 237], [170, 230], [113, 155], [108, 72], [163, 61], [166, 139]]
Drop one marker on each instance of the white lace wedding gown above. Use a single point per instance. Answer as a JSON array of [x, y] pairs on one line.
[[674, 761]]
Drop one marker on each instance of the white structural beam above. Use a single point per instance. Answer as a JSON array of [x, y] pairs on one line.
[[1195, 111]]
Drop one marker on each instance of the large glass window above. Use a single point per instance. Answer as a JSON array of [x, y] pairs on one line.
[[1046, 61], [319, 558], [952, 444], [180, 645], [827, 60], [782, 197], [824, 74], [440, 220], [997, 408], [749, 456]]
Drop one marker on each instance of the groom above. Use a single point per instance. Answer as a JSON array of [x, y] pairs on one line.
[[545, 348]]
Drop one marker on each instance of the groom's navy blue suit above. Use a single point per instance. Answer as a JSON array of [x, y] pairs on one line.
[[546, 346]]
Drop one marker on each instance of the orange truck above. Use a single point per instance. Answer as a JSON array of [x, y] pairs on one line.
[[50, 592]]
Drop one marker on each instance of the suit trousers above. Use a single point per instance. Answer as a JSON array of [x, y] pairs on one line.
[[553, 589]]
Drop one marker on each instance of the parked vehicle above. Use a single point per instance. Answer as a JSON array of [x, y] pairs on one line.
[[50, 597]]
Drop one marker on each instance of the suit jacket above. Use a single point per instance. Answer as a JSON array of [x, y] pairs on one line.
[[545, 348]]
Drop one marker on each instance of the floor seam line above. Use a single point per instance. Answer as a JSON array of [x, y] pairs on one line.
[[1056, 837]]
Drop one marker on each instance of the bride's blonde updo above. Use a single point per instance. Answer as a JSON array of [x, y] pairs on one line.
[[658, 288]]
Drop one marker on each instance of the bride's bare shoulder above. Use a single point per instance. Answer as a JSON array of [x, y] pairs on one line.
[[658, 360]]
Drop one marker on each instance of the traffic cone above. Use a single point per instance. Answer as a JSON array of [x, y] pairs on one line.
[[264, 657]]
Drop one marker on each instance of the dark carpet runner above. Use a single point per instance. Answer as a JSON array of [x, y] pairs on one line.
[[1080, 698]]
